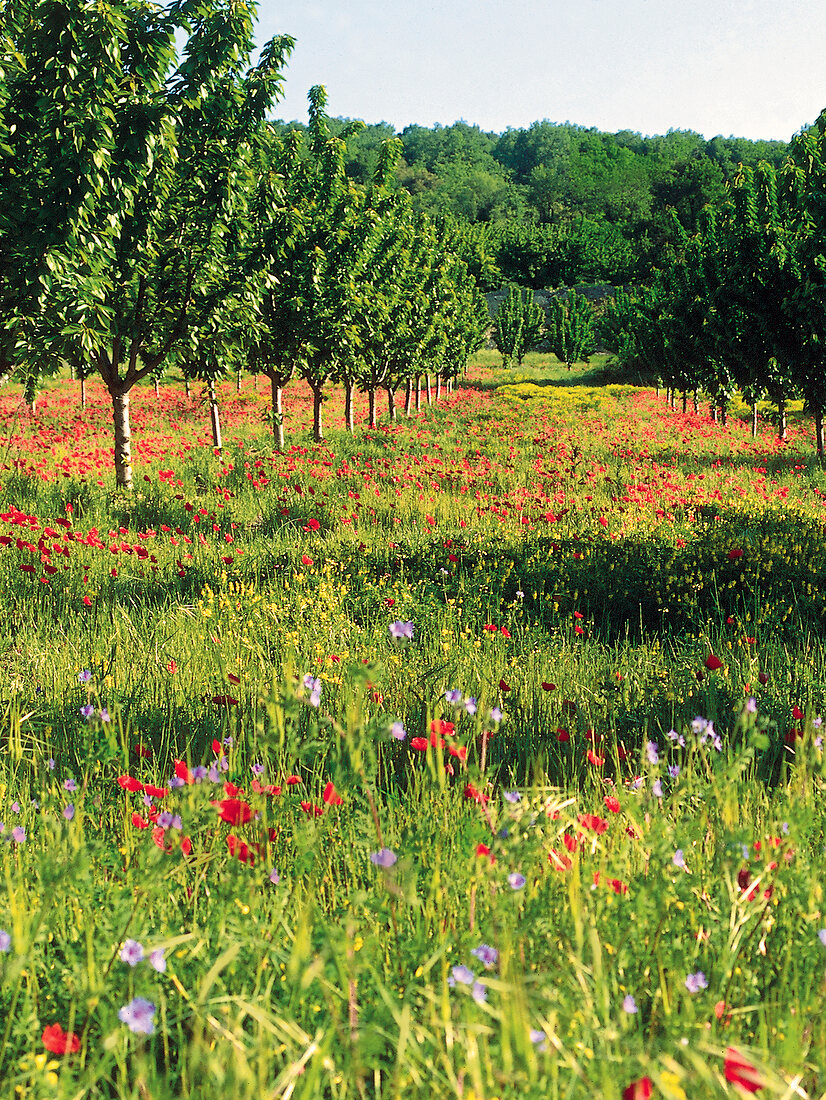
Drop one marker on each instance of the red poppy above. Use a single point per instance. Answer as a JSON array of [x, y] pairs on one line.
[[547, 686], [224, 701], [713, 663], [734, 554], [505, 632], [562, 735], [331, 796], [643, 1089], [459, 751], [240, 850], [183, 772], [233, 811], [597, 761], [490, 628], [483, 850], [441, 728], [473, 795], [186, 845], [612, 803], [310, 810], [570, 842], [292, 780], [797, 713], [231, 791], [155, 792], [741, 1072], [763, 678], [128, 783], [558, 861], [503, 686], [58, 1041], [139, 822], [418, 743], [172, 667], [591, 821]]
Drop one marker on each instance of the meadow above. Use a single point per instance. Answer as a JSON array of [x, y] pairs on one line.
[[477, 755]]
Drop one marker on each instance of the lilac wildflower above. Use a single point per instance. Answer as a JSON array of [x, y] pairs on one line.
[[479, 992], [657, 788], [69, 811], [50, 763], [454, 697], [678, 859], [199, 773], [496, 715], [674, 770], [385, 857], [401, 629], [157, 960], [5, 940], [629, 1005], [257, 769], [512, 796], [274, 877], [69, 785], [516, 880], [653, 751], [398, 731], [139, 1016], [131, 952], [822, 936], [488, 956], [461, 974], [18, 834], [695, 982], [87, 710], [85, 676]]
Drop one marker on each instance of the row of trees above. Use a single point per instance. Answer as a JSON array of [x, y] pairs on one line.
[[151, 217], [521, 324], [742, 302]]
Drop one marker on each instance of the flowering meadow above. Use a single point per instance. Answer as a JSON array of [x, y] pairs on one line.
[[477, 755]]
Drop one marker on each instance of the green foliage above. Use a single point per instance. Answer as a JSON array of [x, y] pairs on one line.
[[518, 325], [570, 328]]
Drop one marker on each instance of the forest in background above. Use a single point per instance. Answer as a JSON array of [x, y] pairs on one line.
[[558, 204]]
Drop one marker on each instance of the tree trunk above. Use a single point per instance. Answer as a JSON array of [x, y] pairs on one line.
[[123, 440], [187, 387], [348, 406], [818, 412], [418, 392], [696, 402], [238, 381], [214, 419], [157, 387], [724, 415], [277, 414], [83, 393], [438, 388], [391, 402], [713, 411], [754, 420], [371, 405], [408, 396], [685, 402], [781, 418], [318, 427], [427, 385]]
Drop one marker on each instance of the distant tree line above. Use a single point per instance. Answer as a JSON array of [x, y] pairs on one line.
[[560, 204]]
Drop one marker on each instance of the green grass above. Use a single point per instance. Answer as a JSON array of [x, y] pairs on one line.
[[619, 545]]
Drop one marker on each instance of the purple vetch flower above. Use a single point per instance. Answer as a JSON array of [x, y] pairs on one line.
[[512, 796], [385, 857], [516, 880], [157, 960], [176, 782], [69, 811], [131, 952], [536, 1036], [199, 773], [5, 940], [18, 834], [462, 975], [398, 731], [69, 785], [454, 697], [50, 763], [401, 630], [678, 859], [674, 770], [695, 982], [274, 877], [479, 992], [488, 956], [496, 715], [657, 788], [313, 685], [629, 1005], [470, 705], [139, 1016], [85, 676], [751, 705], [257, 769], [104, 715], [822, 936], [653, 751], [165, 819], [87, 710]]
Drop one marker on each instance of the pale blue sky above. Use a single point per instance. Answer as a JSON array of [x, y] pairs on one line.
[[756, 68]]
